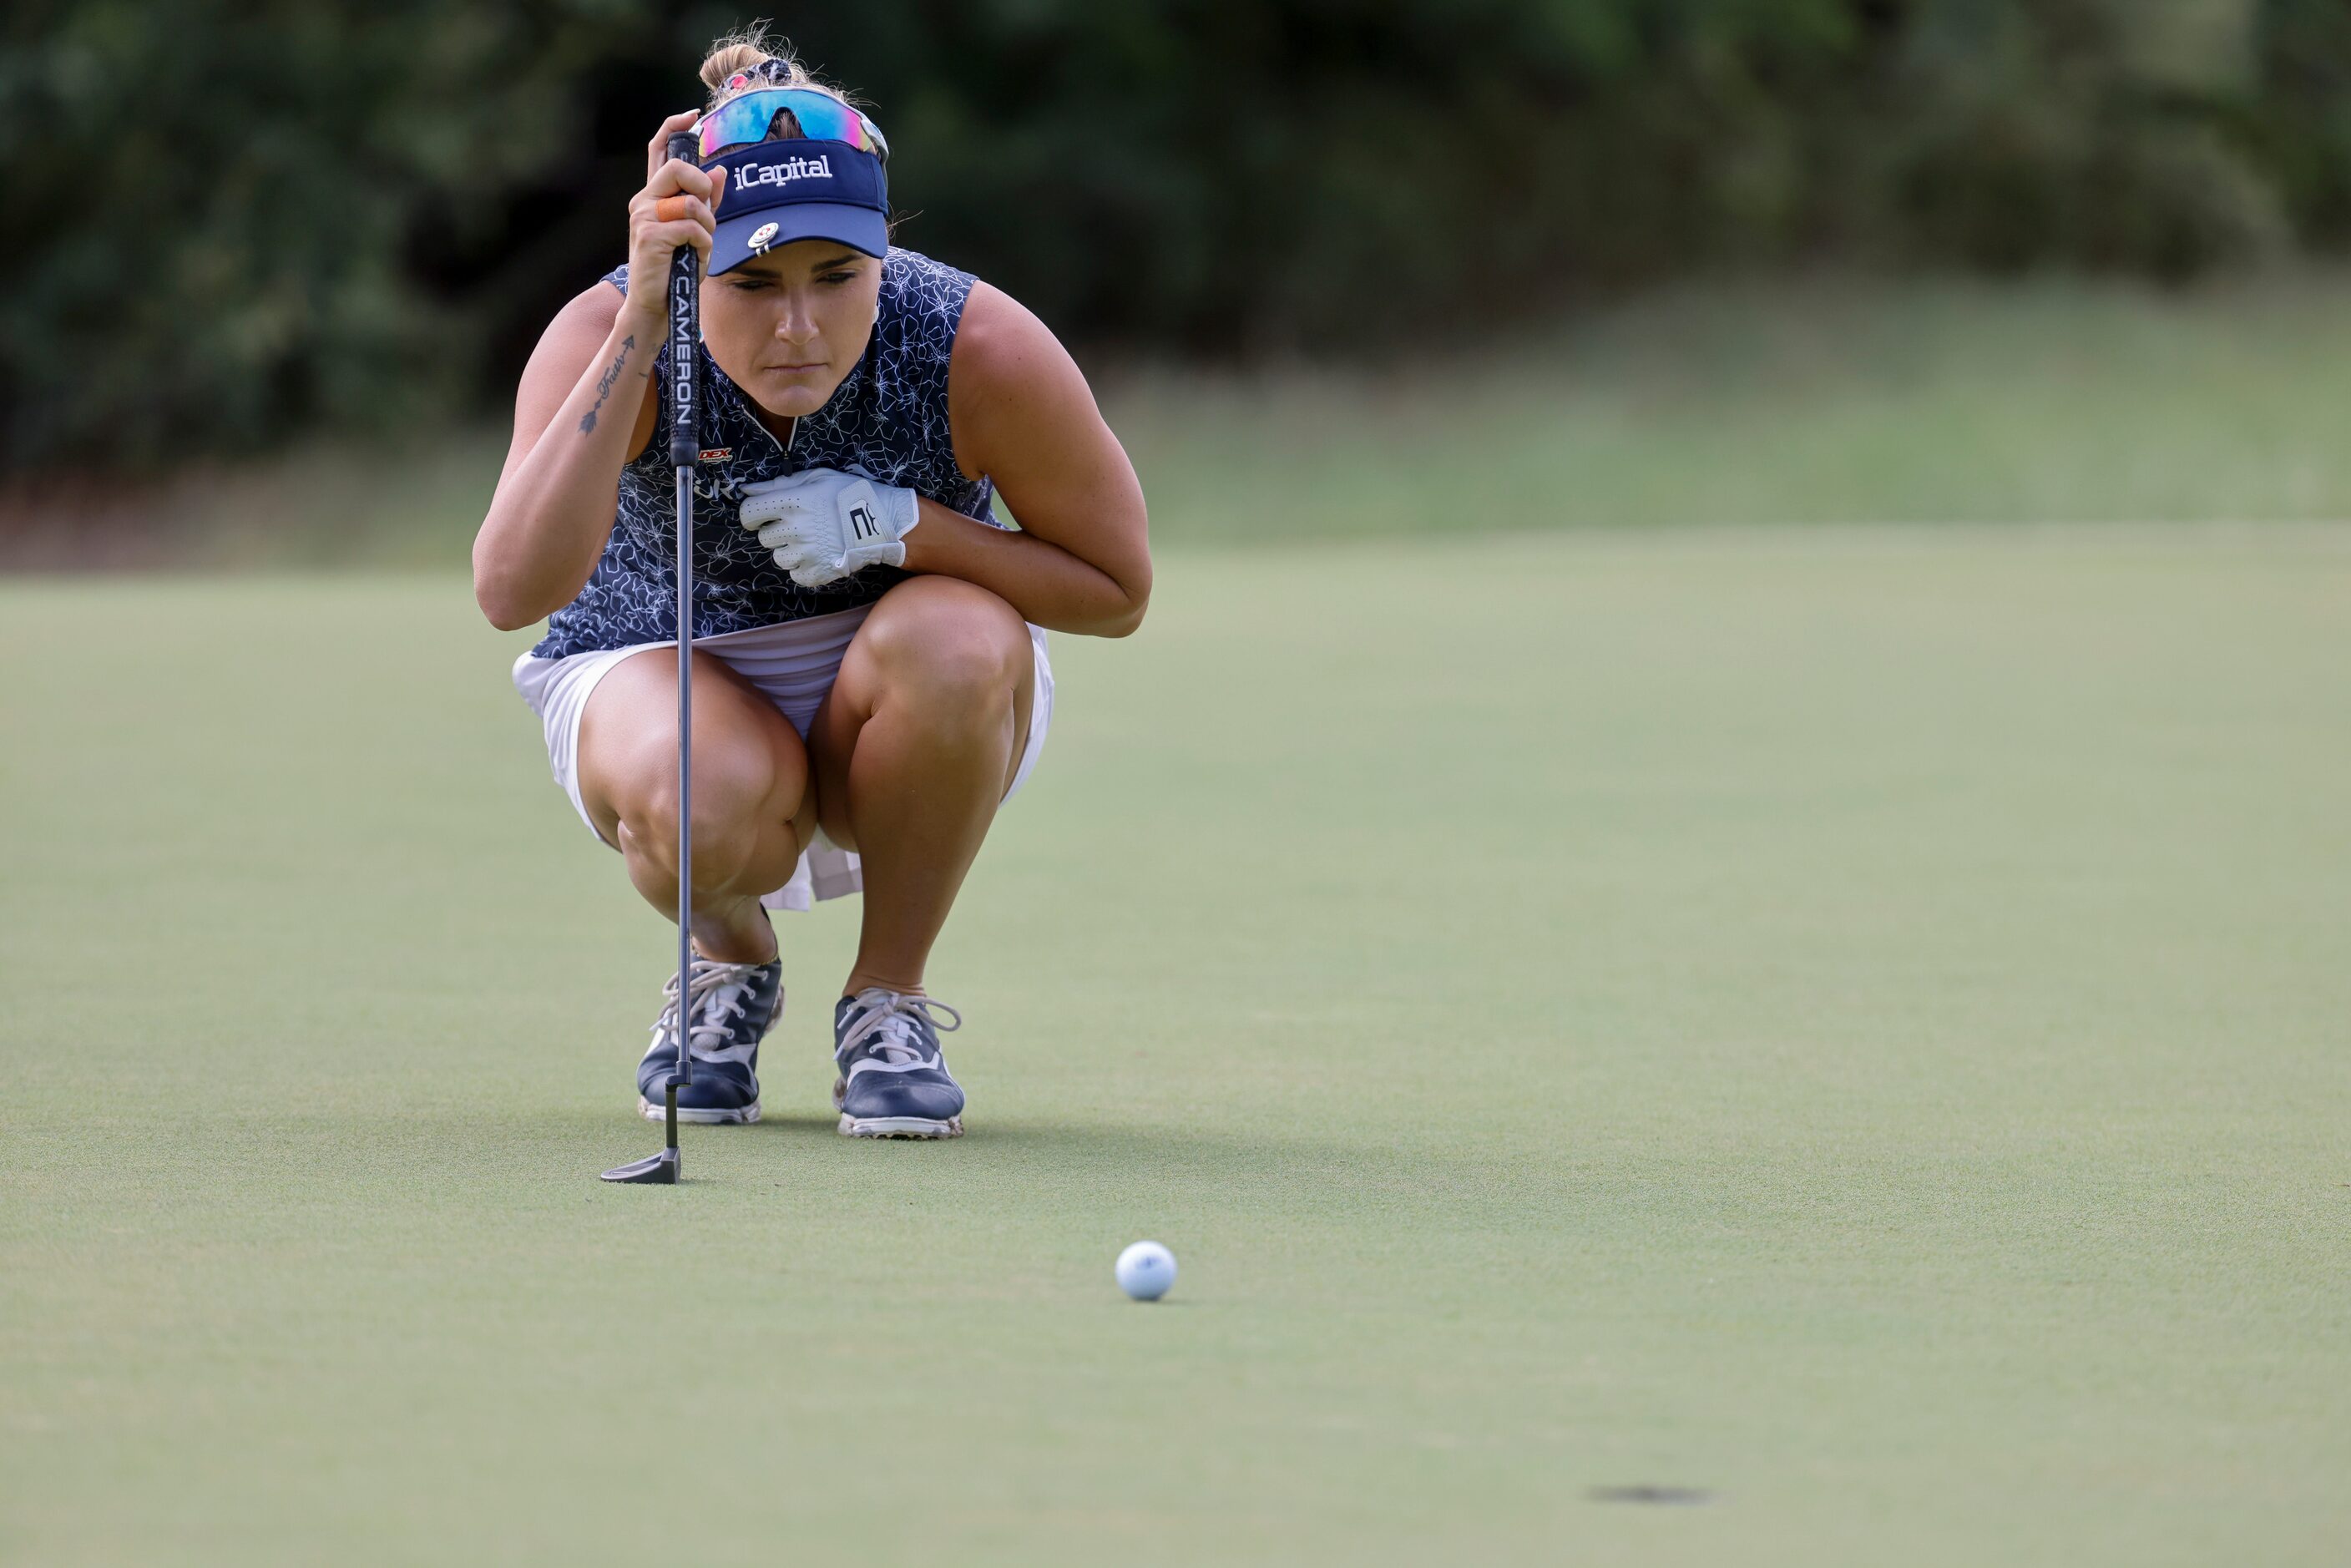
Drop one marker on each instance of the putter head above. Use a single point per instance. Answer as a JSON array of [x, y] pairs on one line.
[[660, 1169]]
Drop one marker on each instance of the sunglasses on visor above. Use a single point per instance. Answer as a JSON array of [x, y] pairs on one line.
[[822, 116]]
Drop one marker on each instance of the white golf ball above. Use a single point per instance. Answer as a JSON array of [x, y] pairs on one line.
[[1145, 1270]]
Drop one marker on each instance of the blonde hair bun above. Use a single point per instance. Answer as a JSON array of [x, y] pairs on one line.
[[752, 56]]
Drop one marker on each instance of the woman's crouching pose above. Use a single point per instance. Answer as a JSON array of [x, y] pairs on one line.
[[871, 674]]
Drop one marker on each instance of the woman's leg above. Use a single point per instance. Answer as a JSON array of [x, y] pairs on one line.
[[914, 750], [753, 810]]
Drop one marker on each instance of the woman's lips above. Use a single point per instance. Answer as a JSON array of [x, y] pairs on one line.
[[797, 369]]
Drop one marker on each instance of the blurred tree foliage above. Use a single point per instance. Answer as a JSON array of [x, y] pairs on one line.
[[233, 220]]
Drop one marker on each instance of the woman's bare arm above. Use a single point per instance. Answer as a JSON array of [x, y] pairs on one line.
[[584, 410], [1023, 415], [586, 407]]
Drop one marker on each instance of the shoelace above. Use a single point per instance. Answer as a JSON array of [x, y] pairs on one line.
[[715, 996], [891, 1017]]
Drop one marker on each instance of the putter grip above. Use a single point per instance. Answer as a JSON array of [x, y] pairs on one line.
[[684, 335]]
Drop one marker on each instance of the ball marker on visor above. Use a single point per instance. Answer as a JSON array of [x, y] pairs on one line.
[[829, 183]]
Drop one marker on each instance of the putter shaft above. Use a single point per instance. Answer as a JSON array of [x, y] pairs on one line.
[[685, 451]]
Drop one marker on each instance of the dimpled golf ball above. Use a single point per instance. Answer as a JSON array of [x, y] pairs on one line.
[[1145, 1270]]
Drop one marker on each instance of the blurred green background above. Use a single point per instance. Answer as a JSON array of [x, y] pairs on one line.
[[246, 228]]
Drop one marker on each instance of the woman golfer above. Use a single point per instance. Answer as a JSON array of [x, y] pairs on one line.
[[869, 668]]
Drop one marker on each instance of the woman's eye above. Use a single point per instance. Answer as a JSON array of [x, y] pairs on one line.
[[839, 276]]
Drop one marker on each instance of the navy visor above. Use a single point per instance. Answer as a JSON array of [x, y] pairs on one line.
[[781, 192]]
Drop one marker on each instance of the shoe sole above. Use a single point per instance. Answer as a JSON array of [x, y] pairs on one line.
[[699, 1117], [899, 1127]]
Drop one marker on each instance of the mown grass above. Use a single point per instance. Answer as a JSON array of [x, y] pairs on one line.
[[1846, 1020], [2054, 402], [1849, 1021]]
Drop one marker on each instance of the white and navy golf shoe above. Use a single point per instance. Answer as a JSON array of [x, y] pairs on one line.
[[734, 1007], [893, 1080]]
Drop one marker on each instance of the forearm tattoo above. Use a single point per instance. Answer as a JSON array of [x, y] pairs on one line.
[[605, 382]]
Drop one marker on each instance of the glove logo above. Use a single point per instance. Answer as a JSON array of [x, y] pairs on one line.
[[862, 525]]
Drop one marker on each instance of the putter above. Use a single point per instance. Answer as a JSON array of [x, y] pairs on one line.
[[684, 449]]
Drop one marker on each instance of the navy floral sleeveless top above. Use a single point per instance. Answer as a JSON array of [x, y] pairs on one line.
[[888, 421]]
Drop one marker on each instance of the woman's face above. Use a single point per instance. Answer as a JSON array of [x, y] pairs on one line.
[[789, 327]]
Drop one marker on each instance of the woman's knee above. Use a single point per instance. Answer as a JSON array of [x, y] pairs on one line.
[[953, 642], [750, 780], [736, 799]]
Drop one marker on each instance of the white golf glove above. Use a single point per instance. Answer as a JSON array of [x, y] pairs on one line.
[[825, 525]]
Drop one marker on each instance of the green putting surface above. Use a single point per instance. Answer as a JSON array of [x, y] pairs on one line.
[[1856, 1024]]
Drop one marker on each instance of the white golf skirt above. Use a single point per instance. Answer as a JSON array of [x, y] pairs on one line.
[[794, 665]]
